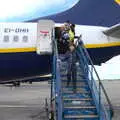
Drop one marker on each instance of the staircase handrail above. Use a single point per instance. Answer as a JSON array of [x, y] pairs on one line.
[[57, 81], [80, 43]]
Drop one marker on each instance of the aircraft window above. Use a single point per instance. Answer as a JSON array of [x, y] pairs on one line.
[[25, 38], [15, 38], [6, 38]]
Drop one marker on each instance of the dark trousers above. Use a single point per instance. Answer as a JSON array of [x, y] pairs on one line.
[[70, 59], [71, 74]]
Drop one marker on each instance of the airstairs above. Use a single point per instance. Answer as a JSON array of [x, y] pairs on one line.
[[90, 100]]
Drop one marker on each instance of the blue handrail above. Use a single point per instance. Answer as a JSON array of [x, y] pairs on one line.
[[105, 113], [57, 87]]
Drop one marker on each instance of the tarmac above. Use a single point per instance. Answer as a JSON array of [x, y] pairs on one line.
[[27, 102], [112, 88]]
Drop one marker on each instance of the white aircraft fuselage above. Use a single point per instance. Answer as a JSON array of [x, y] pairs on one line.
[[18, 57]]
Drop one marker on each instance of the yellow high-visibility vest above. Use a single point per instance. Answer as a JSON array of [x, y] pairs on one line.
[[71, 34]]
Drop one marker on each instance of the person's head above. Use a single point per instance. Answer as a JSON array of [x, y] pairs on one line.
[[62, 28], [67, 26]]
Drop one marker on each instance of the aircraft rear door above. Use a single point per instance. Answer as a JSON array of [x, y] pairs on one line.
[[45, 36]]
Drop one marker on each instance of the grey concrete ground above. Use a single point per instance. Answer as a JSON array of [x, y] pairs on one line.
[[113, 90], [27, 102]]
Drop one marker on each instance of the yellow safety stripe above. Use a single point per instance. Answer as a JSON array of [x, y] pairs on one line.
[[112, 44], [32, 49], [14, 50]]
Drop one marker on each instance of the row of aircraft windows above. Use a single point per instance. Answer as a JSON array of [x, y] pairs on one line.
[[16, 38]]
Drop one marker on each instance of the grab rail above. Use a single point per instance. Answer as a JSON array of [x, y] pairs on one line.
[[105, 112]]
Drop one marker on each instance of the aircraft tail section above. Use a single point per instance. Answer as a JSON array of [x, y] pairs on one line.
[[89, 12]]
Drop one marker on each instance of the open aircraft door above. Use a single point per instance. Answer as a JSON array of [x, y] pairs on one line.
[[45, 36]]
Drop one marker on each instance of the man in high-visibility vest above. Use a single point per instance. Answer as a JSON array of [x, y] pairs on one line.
[[70, 55]]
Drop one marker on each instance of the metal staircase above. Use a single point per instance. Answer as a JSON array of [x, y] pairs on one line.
[[79, 104], [89, 101]]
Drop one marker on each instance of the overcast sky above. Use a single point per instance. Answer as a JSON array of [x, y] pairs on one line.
[[17, 10]]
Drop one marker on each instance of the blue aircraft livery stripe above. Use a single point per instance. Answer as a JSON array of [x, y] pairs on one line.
[[89, 12], [17, 65]]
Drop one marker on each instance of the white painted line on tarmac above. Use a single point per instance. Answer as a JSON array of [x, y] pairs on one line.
[[18, 106]]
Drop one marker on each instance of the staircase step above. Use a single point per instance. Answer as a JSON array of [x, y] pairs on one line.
[[78, 82], [78, 90], [80, 72], [76, 95], [64, 84], [80, 110], [77, 99], [81, 117], [63, 68], [81, 77], [64, 79], [72, 92], [79, 107], [63, 75], [63, 71], [78, 103]]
